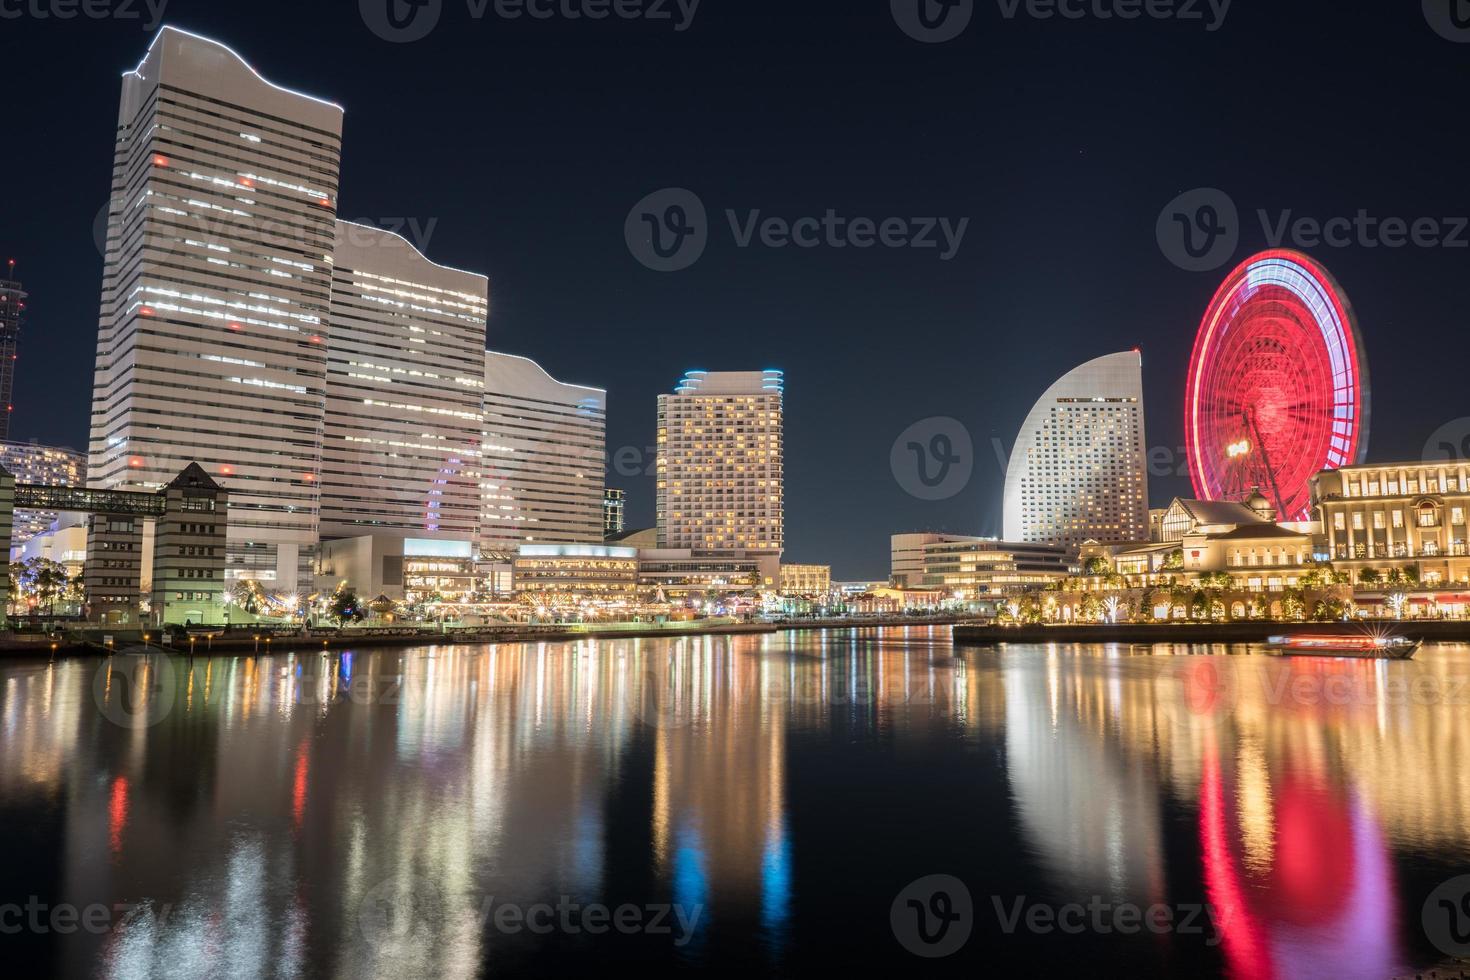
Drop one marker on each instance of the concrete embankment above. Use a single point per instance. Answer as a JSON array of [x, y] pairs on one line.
[[238, 642], [1434, 630]]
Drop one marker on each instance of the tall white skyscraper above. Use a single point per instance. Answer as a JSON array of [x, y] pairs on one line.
[[405, 386], [544, 458], [720, 452], [1078, 470], [213, 335]]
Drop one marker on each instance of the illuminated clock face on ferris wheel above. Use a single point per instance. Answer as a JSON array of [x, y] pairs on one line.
[[1278, 385]]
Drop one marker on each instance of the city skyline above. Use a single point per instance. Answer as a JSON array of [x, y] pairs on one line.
[[1392, 288]]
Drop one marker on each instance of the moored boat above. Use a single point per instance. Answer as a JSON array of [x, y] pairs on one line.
[[1369, 647]]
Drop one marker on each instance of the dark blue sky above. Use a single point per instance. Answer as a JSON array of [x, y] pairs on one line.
[[522, 145]]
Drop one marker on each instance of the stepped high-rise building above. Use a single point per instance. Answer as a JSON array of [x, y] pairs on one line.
[[720, 479], [405, 387], [544, 458], [1078, 470], [213, 334]]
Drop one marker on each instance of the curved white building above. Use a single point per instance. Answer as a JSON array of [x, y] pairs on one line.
[[1078, 470], [212, 337], [544, 458], [405, 387]]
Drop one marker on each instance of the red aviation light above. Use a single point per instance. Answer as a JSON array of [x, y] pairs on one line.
[[227, 470], [146, 311], [246, 182], [135, 462], [234, 326], [159, 160]]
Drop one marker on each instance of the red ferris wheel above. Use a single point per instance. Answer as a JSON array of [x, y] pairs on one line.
[[1278, 384]]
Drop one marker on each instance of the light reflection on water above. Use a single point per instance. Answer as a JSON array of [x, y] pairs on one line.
[[359, 814]]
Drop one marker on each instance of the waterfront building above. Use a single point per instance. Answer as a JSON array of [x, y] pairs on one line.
[[681, 573], [806, 579], [906, 555], [977, 568], [188, 561], [1078, 469], [720, 472], [614, 511], [1389, 517], [213, 332], [12, 313], [405, 390], [577, 571], [544, 459], [48, 466], [411, 570], [1184, 517]]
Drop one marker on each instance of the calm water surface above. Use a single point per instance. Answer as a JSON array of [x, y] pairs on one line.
[[752, 805]]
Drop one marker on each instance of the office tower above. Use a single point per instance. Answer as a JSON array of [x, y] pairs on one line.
[[189, 552], [212, 338], [43, 466], [544, 459], [1078, 471], [405, 385], [719, 464], [12, 311], [614, 511]]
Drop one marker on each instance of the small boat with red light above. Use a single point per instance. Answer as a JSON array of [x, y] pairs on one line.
[[1365, 647]]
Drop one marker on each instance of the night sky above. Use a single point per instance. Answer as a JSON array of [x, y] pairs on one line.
[[520, 147]]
